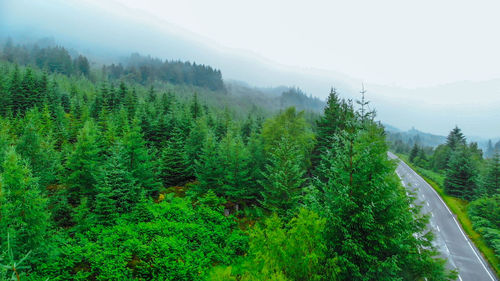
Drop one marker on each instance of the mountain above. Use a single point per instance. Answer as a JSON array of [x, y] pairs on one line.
[[413, 136]]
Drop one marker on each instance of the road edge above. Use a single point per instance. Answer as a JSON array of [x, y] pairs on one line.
[[475, 248]]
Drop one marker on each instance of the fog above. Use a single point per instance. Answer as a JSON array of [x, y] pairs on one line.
[[428, 65]]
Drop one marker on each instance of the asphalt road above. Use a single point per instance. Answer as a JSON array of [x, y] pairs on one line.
[[450, 239]]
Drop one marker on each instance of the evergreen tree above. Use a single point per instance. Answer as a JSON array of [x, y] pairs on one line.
[[234, 160], [455, 138], [83, 164], [122, 92], [208, 170], [173, 166], [256, 164], [16, 92], [490, 180], [283, 178], [371, 228], [196, 110], [130, 103], [247, 129], [414, 152], [23, 209], [82, 65], [139, 162], [440, 157], [151, 94], [42, 158], [460, 180], [489, 150], [117, 190], [194, 144], [29, 96], [5, 98], [65, 102], [333, 120], [292, 126]]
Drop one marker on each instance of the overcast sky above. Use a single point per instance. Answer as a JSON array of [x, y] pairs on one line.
[[429, 64], [394, 42]]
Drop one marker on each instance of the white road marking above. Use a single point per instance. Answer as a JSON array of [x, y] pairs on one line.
[[460, 278], [438, 228], [458, 225], [427, 203]]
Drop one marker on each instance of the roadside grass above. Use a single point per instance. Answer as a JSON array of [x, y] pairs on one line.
[[459, 208]]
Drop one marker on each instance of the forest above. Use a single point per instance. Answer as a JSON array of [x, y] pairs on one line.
[[469, 176], [107, 177]]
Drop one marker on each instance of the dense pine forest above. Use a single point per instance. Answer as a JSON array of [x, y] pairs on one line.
[[127, 173], [469, 176]]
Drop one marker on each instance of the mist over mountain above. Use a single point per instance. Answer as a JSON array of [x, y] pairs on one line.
[[108, 35]]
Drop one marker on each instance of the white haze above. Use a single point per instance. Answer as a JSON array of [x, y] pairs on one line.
[[428, 64]]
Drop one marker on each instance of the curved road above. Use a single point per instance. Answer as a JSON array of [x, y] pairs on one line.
[[450, 239]]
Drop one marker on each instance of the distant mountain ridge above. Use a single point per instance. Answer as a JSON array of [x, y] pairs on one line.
[[413, 136]]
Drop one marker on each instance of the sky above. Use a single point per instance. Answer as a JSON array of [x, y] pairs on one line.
[[391, 42], [428, 64]]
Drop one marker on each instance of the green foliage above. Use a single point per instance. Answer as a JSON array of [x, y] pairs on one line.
[[23, 209], [485, 216], [455, 139], [208, 170], [335, 118], [175, 242], [283, 178], [278, 251], [234, 159], [440, 158], [292, 126], [101, 143], [461, 174], [138, 160], [117, 190], [414, 153], [83, 164], [369, 226], [490, 179], [173, 164], [39, 152]]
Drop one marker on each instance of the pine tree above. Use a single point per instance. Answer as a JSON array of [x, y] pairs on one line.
[[139, 162], [455, 138], [83, 164], [234, 160], [256, 165], [371, 228], [16, 93], [5, 98], [195, 107], [130, 103], [194, 144], [173, 167], [208, 170], [122, 92], [151, 94], [460, 180], [490, 180], [331, 122], [30, 92], [291, 125], [489, 150], [40, 154], [283, 178], [23, 209], [414, 152], [117, 190]]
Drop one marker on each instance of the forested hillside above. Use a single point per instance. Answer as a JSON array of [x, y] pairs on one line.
[[109, 177]]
